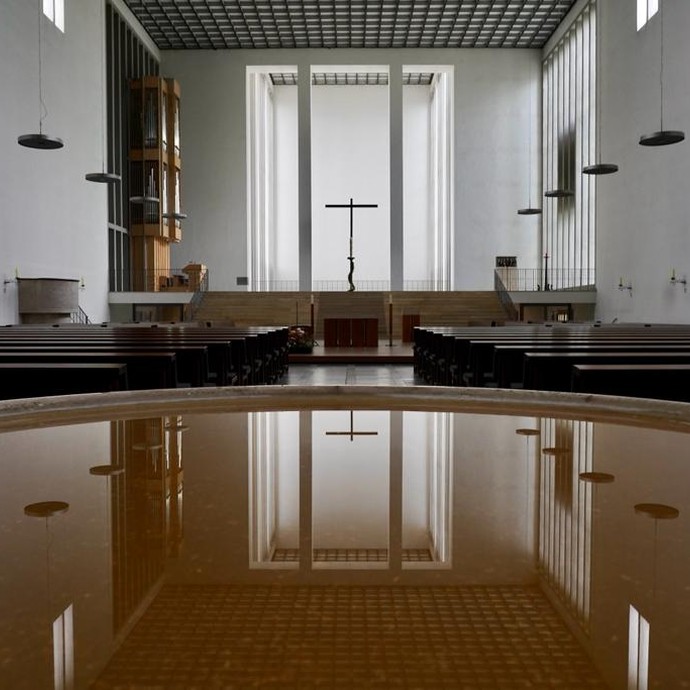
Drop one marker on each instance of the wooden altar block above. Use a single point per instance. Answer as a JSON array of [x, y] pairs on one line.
[[330, 332], [358, 337], [409, 321], [344, 332], [371, 337]]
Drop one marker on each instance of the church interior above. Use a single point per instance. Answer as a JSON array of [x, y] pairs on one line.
[[356, 349]]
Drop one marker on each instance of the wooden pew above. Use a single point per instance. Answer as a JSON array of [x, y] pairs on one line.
[[27, 380], [662, 381], [145, 370], [551, 371]]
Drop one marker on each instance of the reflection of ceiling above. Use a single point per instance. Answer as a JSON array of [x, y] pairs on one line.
[[351, 79], [356, 636], [212, 24]]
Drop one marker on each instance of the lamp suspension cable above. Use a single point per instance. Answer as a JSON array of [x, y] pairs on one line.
[[102, 176], [40, 140], [663, 137], [598, 168], [530, 210]]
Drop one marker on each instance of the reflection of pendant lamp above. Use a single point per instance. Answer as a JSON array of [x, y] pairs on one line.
[[656, 511], [47, 510], [599, 168], [528, 433], [555, 451], [40, 140], [107, 471], [530, 210], [596, 478], [664, 136], [102, 176]]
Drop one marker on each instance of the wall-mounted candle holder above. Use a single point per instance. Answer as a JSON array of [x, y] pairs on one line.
[[625, 286], [675, 280]]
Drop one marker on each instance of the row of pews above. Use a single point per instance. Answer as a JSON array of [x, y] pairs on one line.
[[639, 360], [68, 358]]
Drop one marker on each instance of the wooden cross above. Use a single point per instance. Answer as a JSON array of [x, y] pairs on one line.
[[352, 433], [351, 258]]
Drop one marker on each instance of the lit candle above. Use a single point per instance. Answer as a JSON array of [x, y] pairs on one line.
[[312, 298], [390, 298], [673, 274], [620, 282]]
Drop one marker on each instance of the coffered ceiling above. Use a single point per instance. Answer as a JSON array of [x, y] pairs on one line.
[[217, 24]]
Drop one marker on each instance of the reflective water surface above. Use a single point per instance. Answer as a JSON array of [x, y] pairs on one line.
[[344, 549]]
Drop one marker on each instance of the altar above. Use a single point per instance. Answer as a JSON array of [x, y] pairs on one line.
[[351, 332]]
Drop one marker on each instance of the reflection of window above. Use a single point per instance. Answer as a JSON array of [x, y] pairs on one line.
[[646, 9], [63, 650], [55, 11], [638, 651]]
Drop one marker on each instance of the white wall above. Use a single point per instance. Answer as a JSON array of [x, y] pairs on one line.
[[54, 223], [286, 257], [350, 153], [416, 177], [492, 109], [416, 256], [346, 474], [643, 209], [491, 125]]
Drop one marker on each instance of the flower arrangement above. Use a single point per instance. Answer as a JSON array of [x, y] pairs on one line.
[[300, 339]]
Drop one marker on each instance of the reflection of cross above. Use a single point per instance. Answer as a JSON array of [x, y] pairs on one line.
[[351, 258], [352, 433]]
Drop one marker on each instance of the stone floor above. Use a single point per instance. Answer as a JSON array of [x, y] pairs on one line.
[[350, 374]]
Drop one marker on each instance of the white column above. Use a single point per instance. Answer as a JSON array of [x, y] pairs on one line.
[[305, 491], [395, 114], [395, 505], [304, 173]]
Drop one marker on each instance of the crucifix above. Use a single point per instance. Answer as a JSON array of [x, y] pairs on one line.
[[352, 433], [351, 258]]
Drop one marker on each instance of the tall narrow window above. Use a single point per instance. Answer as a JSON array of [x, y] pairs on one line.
[[55, 11], [63, 650], [441, 181], [646, 9], [260, 159]]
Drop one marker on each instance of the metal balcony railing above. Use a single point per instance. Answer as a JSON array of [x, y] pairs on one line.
[[539, 279], [80, 317], [343, 286]]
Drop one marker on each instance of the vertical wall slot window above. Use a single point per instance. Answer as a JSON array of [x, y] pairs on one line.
[[55, 11], [638, 651], [569, 126], [646, 9]]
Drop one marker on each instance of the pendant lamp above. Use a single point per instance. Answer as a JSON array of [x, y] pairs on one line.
[[599, 168], [530, 210], [103, 177], [40, 140], [663, 137], [560, 192]]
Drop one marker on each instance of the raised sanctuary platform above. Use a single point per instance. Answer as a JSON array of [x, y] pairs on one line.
[[383, 354]]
